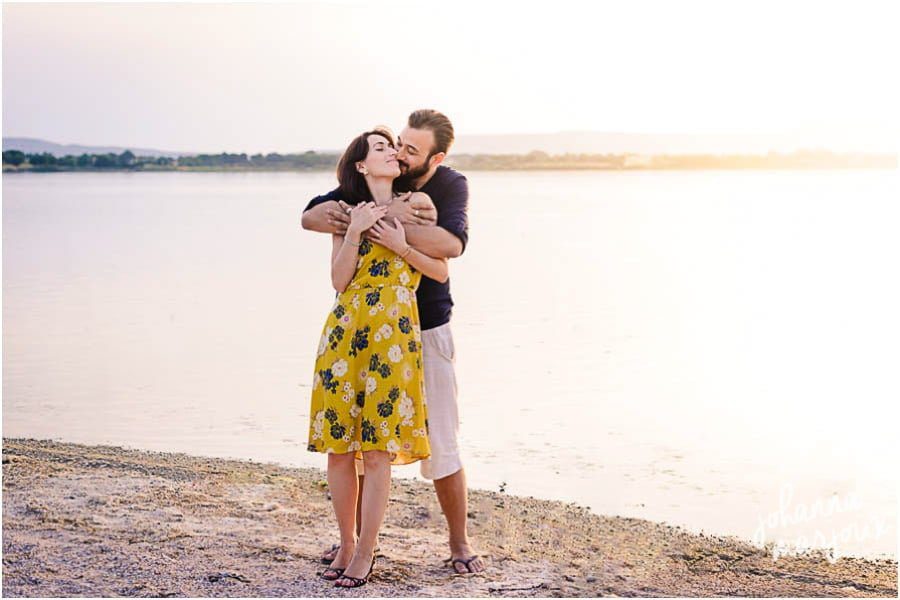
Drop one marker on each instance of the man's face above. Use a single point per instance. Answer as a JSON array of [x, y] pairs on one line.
[[413, 149]]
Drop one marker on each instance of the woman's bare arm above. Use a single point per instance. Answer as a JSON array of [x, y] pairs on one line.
[[343, 262], [344, 248]]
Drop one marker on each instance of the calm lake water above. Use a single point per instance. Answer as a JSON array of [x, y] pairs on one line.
[[717, 350]]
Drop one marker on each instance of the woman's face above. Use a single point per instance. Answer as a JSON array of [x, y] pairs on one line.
[[381, 161]]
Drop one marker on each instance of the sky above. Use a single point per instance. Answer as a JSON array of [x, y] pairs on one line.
[[287, 77]]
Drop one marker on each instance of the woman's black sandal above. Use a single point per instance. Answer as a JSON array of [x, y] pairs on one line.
[[327, 561], [329, 577], [356, 581]]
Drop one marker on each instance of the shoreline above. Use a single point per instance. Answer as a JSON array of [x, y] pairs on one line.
[[468, 168], [108, 521]]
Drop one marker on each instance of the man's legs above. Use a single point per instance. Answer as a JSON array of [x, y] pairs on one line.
[[453, 495], [445, 466]]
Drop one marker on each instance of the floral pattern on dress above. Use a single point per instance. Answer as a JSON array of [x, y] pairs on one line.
[[368, 385]]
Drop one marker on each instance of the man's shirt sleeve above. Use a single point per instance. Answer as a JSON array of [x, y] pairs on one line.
[[334, 194], [452, 213]]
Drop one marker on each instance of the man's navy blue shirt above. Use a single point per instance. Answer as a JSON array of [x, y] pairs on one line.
[[449, 191]]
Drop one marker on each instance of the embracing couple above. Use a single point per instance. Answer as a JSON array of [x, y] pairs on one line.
[[396, 218]]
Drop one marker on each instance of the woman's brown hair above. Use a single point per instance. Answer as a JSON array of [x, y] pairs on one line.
[[351, 182]]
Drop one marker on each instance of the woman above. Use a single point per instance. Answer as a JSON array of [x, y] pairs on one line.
[[368, 395]]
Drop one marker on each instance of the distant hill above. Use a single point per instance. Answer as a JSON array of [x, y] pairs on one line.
[[577, 142], [36, 146], [586, 142]]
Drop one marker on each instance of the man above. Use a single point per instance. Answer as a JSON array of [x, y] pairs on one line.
[[438, 230]]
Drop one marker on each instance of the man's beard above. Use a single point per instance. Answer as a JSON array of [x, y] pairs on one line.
[[406, 181]]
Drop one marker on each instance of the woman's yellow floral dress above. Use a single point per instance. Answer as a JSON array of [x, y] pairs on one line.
[[368, 388]]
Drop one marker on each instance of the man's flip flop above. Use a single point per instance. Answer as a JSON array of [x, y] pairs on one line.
[[466, 562], [328, 561]]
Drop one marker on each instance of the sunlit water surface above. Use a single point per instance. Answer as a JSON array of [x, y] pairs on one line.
[[715, 349]]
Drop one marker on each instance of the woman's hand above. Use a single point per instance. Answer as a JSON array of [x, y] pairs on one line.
[[363, 216], [414, 208], [392, 238]]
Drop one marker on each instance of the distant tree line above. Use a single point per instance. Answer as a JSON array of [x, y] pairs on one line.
[[127, 160], [48, 162], [273, 160], [310, 160]]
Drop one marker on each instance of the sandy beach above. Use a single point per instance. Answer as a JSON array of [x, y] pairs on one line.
[[108, 521]]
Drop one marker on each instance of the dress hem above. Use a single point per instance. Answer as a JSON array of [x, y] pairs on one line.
[[397, 459]]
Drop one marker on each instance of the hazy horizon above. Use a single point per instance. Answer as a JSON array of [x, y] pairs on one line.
[[574, 142], [287, 77]]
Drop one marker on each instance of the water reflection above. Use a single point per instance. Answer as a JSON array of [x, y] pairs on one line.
[[674, 346]]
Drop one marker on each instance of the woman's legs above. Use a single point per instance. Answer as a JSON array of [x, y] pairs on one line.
[[331, 553], [343, 484], [376, 489]]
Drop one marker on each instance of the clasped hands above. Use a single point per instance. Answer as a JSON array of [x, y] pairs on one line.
[[410, 208], [366, 220]]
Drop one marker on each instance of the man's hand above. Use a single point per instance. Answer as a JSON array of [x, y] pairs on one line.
[[339, 218], [413, 209]]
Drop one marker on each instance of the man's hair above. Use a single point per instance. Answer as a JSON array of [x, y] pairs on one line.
[[438, 123], [352, 183]]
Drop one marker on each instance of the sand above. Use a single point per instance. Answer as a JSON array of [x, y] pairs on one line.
[[107, 521]]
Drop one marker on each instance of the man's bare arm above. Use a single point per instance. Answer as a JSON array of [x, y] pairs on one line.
[[434, 241], [418, 217], [334, 216], [327, 217]]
